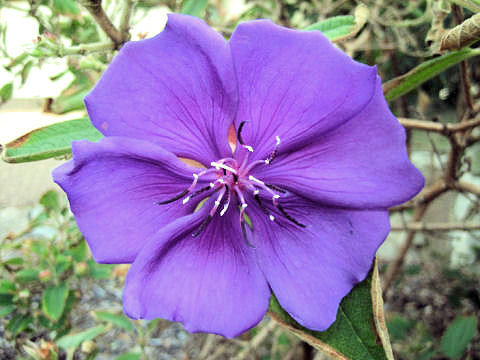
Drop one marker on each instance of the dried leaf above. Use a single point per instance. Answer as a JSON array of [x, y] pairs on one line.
[[462, 35]]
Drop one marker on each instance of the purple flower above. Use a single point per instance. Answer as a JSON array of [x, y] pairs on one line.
[[299, 208]]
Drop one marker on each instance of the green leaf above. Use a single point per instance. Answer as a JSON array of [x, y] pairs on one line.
[[66, 6], [194, 7], [14, 261], [425, 71], [27, 275], [6, 92], [49, 141], [6, 299], [53, 301], [399, 326], [129, 356], [334, 27], [458, 336], [6, 287], [79, 252], [118, 320], [50, 200], [5, 310], [69, 102], [99, 271], [73, 341], [19, 323], [359, 331], [339, 28]]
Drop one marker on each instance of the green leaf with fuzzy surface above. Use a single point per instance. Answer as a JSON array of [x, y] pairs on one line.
[[335, 27], [458, 336], [359, 331], [53, 301], [427, 70], [73, 341], [49, 141]]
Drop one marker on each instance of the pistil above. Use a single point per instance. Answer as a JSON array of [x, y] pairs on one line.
[[233, 179]]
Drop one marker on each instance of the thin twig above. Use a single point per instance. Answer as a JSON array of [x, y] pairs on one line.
[[440, 226], [95, 8], [468, 187], [397, 263], [84, 49], [125, 17], [437, 127], [257, 340]]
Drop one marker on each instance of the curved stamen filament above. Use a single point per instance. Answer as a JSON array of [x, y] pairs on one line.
[[264, 209], [175, 198], [227, 201], [267, 161], [261, 184], [272, 156], [210, 215], [219, 166], [289, 217]]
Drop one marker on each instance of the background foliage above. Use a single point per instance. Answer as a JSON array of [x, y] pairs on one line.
[[57, 303]]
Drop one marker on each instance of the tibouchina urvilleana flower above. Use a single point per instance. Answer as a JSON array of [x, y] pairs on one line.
[[299, 208]]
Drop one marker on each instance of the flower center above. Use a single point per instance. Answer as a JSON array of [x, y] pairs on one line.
[[234, 179]]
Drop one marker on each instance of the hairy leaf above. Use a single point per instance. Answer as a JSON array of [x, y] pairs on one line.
[[458, 336], [359, 331], [49, 141], [73, 341], [53, 301], [417, 76], [340, 28]]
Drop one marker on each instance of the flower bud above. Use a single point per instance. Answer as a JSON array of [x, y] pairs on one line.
[[81, 268], [88, 347], [44, 276]]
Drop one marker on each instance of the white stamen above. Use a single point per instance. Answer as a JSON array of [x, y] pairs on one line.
[[184, 201], [224, 210], [223, 166], [248, 147], [256, 192], [272, 218], [278, 140], [212, 185], [244, 206], [276, 196], [252, 178]]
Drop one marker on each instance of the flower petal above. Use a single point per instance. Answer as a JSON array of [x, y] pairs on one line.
[[311, 269], [112, 187], [210, 283], [176, 89], [293, 84], [360, 164]]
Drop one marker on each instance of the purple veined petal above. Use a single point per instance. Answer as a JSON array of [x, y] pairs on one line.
[[360, 164], [176, 89], [209, 283], [112, 187], [293, 84], [311, 269]]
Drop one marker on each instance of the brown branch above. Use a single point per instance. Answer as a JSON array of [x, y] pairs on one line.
[[468, 187], [95, 8], [422, 202], [395, 266], [125, 18], [442, 128], [447, 226], [458, 16]]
